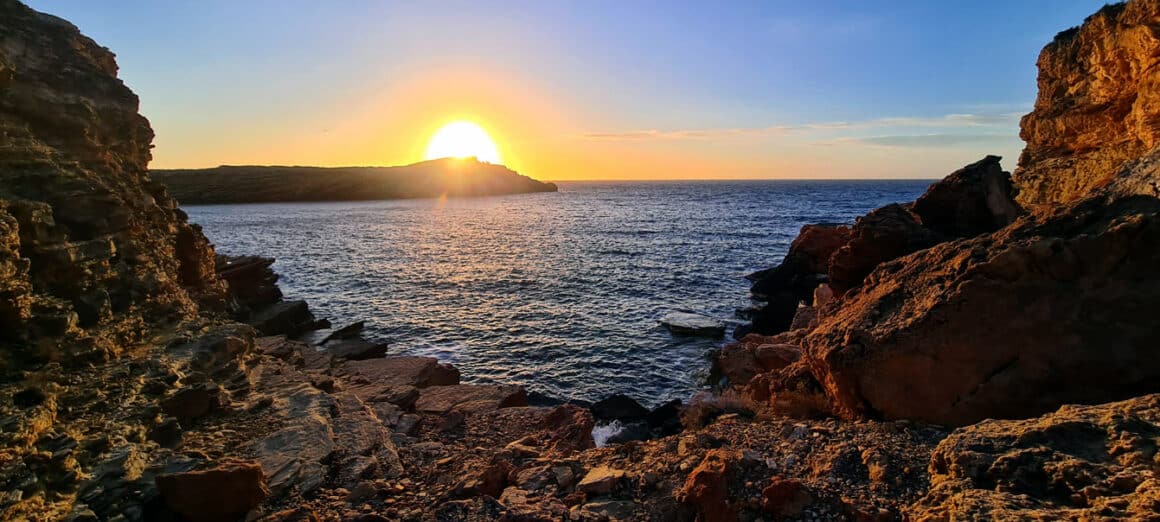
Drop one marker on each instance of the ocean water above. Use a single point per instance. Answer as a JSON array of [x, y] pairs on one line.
[[560, 292]]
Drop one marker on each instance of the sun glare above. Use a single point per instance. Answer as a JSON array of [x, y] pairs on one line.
[[462, 139]]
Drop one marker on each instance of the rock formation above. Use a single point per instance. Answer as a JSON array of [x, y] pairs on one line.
[[131, 393], [92, 251], [1098, 105], [1078, 463]]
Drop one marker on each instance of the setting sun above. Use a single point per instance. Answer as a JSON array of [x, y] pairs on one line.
[[462, 139]]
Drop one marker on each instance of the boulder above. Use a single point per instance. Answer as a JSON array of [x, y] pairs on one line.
[[355, 349], [469, 398], [226, 491], [372, 377], [706, 490], [1097, 105], [600, 480], [973, 200], [250, 279], [1078, 463], [808, 257], [284, 318], [1053, 309], [618, 407], [688, 323], [785, 497], [883, 234], [568, 429]]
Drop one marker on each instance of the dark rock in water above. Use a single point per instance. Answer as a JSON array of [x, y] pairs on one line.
[[688, 323], [251, 280], [355, 349], [973, 200], [225, 492], [349, 331], [665, 420], [284, 318], [630, 431], [774, 317], [618, 407], [881, 235]]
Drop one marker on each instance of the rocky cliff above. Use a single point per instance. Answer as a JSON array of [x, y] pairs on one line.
[[1098, 105], [959, 306], [92, 251], [448, 177]]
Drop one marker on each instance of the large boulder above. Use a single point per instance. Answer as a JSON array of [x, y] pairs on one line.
[[1078, 463], [1051, 310], [883, 234], [973, 200], [1098, 105]]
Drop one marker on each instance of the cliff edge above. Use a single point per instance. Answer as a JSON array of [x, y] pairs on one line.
[[92, 251]]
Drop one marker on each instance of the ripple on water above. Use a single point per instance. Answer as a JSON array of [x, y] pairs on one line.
[[559, 292]]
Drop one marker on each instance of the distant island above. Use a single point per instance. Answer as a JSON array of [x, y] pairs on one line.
[[451, 177]]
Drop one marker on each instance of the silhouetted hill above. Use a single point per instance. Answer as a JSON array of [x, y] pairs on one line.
[[265, 184]]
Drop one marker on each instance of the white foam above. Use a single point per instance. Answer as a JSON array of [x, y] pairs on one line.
[[602, 432]]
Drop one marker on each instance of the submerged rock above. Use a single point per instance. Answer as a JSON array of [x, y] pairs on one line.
[[688, 323]]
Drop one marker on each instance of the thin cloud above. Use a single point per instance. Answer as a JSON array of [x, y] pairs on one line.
[[920, 140], [947, 121]]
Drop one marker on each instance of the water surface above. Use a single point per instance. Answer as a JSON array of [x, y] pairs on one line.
[[559, 292]]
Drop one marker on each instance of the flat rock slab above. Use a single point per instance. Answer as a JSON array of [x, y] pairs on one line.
[[688, 323], [469, 398], [379, 379]]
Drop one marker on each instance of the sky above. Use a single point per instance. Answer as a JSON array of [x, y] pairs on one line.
[[586, 89]]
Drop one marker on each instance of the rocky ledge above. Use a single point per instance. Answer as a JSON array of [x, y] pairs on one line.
[[915, 365]]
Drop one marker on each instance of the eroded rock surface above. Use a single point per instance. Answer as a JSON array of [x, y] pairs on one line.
[[1098, 105], [91, 249], [1078, 463]]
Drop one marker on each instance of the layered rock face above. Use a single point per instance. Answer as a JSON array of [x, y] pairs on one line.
[[91, 250], [1098, 105]]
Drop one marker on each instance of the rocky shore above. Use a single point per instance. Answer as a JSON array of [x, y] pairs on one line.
[[985, 352]]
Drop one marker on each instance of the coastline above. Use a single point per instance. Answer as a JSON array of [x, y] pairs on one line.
[[986, 351]]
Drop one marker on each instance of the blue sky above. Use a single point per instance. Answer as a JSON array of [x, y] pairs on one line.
[[594, 89]]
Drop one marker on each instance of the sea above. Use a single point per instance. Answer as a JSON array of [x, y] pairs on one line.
[[558, 292]]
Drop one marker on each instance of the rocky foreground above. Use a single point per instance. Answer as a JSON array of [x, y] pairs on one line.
[[145, 378]]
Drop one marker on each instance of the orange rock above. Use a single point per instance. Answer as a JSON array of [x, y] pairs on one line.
[[706, 490], [785, 497], [224, 492]]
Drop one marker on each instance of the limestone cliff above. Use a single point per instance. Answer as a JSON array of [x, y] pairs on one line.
[[92, 252], [1098, 105]]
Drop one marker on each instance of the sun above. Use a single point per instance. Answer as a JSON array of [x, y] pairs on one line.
[[462, 139]]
